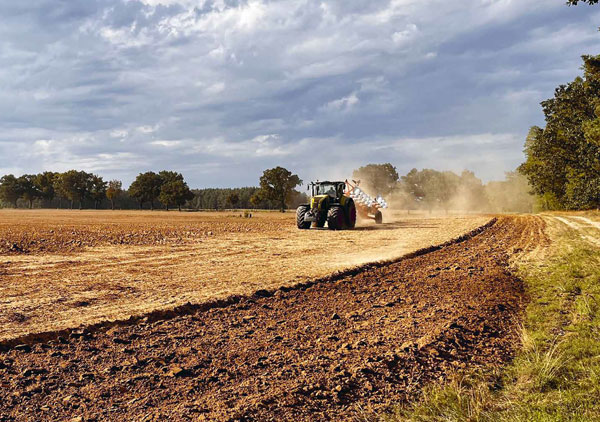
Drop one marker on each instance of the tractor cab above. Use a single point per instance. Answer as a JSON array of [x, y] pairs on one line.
[[335, 190]]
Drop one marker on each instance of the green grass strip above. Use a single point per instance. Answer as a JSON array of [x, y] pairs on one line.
[[555, 376]]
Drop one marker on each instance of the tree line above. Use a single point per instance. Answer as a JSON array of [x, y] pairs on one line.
[[168, 188], [425, 189], [79, 187]]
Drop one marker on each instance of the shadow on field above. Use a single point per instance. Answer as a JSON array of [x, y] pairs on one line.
[[397, 225]]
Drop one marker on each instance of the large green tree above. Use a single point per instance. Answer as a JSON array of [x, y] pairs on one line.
[[175, 192], [97, 189], [169, 176], [73, 185], [10, 189], [378, 179], [29, 190], [277, 184], [575, 2], [146, 188], [45, 184], [563, 158], [173, 189]]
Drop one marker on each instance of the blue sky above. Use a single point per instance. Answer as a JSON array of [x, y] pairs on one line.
[[221, 90]]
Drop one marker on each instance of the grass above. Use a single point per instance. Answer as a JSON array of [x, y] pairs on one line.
[[555, 375]]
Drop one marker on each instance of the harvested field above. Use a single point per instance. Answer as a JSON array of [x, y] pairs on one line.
[[61, 269], [331, 350]]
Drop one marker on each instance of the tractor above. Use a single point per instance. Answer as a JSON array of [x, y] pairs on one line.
[[334, 203]]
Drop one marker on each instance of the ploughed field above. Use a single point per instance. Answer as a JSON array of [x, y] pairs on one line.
[[62, 269], [337, 348]]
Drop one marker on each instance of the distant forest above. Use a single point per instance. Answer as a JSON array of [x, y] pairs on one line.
[[425, 189], [165, 189]]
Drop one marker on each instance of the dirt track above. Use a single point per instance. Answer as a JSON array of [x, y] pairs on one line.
[[320, 352]]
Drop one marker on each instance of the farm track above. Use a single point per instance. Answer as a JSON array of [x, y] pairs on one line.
[[325, 351], [587, 229]]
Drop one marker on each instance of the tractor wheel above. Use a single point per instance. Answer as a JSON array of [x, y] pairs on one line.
[[351, 220], [335, 218], [300, 213], [378, 217]]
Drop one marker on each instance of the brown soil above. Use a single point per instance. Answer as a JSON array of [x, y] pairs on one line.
[[332, 350]]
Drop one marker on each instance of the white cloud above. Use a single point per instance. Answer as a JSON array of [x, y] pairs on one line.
[[146, 129], [119, 133], [342, 104], [236, 86], [166, 144], [405, 36]]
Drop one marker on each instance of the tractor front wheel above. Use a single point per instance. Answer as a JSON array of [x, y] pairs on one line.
[[300, 213], [335, 218]]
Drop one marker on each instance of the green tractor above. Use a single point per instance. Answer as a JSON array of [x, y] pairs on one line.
[[329, 203]]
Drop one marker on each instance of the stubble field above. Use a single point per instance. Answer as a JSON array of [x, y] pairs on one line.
[[62, 269]]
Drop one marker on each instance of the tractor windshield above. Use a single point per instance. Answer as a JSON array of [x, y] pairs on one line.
[[325, 189]]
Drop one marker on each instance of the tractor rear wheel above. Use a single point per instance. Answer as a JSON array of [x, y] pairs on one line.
[[351, 221], [335, 218], [300, 213], [378, 217]]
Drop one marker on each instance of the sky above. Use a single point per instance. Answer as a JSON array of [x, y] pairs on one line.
[[221, 90]]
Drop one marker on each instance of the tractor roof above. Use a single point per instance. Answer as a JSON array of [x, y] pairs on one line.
[[326, 182]]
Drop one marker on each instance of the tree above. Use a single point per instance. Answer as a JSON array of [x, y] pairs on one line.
[[73, 185], [10, 189], [175, 192], [381, 179], [167, 176], [575, 2], [277, 184], [97, 189], [115, 189], [173, 189], [45, 184], [146, 188], [432, 188], [29, 190], [233, 199], [563, 158]]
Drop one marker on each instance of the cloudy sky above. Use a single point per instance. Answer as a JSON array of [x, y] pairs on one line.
[[221, 90]]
